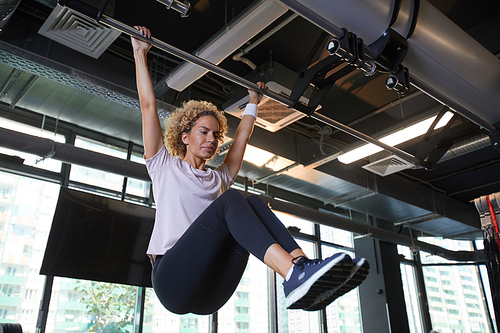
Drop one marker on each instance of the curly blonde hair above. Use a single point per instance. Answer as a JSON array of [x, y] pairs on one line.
[[183, 119]]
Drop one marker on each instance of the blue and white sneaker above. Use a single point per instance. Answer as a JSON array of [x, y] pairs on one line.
[[311, 278], [359, 272]]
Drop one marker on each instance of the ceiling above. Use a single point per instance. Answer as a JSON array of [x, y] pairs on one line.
[[41, 76]]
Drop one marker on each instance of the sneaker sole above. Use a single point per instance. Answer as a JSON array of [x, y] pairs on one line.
[[329, 277], [358, 275]]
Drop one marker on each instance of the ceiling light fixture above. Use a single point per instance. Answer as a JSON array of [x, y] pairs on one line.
[[263, 158], [227, 42], [403, 135]]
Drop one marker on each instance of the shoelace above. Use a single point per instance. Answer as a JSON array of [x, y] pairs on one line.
[[303, 261]]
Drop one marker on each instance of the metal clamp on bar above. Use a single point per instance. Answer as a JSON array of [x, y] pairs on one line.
[[350, 48], [399, 80]]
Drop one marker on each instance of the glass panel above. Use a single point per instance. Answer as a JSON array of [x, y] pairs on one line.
[[343, 315], [159, 319], [247, 310], [405, 252], [90, 306], [450, 244], [487, 293], [26, 210], [138, 187], [455, 299], [411, 299], [93, 176], [336, 236], [294, 321], [288, 220], [30, 159]]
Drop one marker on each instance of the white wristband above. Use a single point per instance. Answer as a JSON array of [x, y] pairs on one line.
[[250, 109]]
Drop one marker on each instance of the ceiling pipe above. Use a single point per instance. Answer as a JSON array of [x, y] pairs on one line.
[[73, 155], [466, 146], [460, 72]]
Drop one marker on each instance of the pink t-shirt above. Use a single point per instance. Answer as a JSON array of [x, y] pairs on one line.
[[181, 194]]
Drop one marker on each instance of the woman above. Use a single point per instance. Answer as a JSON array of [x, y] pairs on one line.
[[204, 231]]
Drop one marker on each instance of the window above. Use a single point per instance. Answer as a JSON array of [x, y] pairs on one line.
[[411, 298], [30, 205], [436, 299], [463, 296], [30, 159], [159, 319], [75, 305], [310, 321], [96, 177]]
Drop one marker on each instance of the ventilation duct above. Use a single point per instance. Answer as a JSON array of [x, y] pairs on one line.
[[7, 8], [460, 70], [388, 165], [78, 32], [466, 146]]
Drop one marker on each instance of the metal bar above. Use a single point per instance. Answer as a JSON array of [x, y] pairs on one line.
[[43, 311], [193, 59], [247, 84], [369, 139]]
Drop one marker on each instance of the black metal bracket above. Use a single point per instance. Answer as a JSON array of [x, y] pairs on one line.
[[430, 141], [389, 51], [495, 137], [318, 74]]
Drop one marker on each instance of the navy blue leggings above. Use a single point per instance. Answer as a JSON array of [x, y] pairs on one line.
[[202, 270]]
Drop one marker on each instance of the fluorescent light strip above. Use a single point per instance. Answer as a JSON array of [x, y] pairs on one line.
[[394, 139], [261, 158], [227, 43]]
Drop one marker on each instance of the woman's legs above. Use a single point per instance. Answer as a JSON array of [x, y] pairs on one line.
[[209, 259], [278, 256]]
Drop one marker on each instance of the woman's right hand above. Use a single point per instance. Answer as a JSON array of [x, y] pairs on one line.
[[138, 44]]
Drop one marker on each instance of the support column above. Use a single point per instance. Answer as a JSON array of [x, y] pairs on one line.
[[382, 301]]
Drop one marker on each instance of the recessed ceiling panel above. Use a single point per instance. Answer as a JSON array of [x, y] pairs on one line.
[[78, 32]]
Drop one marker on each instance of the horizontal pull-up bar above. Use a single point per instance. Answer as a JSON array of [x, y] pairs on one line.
[[106, 20]]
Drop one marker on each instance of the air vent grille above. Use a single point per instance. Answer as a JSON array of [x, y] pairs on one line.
[[272, 115], [388, 165], [272, 111], [78, 32]]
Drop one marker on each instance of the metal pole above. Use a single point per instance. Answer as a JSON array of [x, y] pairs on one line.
[[249, 85], [192, 59]]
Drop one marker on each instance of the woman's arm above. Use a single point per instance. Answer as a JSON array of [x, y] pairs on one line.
[[151, 128], [234, 157]]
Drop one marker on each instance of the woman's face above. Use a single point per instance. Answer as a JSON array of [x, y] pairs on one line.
[[203, 139]]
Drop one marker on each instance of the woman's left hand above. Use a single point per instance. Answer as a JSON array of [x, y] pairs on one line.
[[256, 96]]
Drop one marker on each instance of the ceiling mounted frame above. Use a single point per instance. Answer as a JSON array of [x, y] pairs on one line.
[[110, 22]]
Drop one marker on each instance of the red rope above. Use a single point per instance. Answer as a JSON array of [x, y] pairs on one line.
[[494, 219]]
